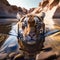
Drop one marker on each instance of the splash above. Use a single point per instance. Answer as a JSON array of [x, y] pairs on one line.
[[48, 20]]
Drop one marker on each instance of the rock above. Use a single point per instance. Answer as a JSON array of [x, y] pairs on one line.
[[57, 13], [47, 6], [7, 10], [3, 56], [44, 3], [31, 10], [25, 11], [46, 56]]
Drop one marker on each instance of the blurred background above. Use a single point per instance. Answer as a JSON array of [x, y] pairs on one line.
[[8, 18]]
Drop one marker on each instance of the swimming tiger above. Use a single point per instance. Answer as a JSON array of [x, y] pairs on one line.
[[31, 31]]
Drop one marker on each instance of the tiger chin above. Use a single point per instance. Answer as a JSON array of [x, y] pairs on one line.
[[31, 31]]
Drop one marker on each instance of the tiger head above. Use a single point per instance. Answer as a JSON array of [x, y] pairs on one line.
[[31, 27]]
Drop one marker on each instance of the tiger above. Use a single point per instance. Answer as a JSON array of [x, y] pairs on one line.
[[31, 31]]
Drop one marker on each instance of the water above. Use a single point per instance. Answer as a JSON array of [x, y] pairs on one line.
[[7, 20], [11, 43], [57, 21], [9, 26]]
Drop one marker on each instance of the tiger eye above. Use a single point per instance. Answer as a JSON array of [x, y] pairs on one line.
[[23, 27]]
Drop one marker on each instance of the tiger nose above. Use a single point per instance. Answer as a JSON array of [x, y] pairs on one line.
[[31, 34]]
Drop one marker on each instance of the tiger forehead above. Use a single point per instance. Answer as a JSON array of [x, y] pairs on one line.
[[31, 18]]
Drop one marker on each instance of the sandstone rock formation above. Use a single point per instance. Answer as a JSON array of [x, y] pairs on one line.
[[49, 5], [31, 10]]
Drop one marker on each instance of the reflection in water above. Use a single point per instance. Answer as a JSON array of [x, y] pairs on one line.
[[11, 44]]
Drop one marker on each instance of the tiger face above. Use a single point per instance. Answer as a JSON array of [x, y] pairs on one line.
[[30, 28]]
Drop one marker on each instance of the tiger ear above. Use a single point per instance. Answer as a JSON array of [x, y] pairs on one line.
[[41, 15], [19, 16]]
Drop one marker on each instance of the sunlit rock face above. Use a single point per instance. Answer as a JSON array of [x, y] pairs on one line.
[[31, 10], [56, 4], [47, 5], [44, 3], [7, 10]]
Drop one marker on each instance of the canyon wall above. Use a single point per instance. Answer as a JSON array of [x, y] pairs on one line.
[[7, 10], [51, 6]]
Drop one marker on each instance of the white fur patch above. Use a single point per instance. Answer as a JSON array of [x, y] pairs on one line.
[[26, 18], [36, 19]]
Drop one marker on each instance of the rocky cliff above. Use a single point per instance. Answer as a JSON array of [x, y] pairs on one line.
[[7, 10], [31, 10], [49, 6]]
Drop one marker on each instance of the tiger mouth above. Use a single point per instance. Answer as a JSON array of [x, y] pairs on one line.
[[31, 42]]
